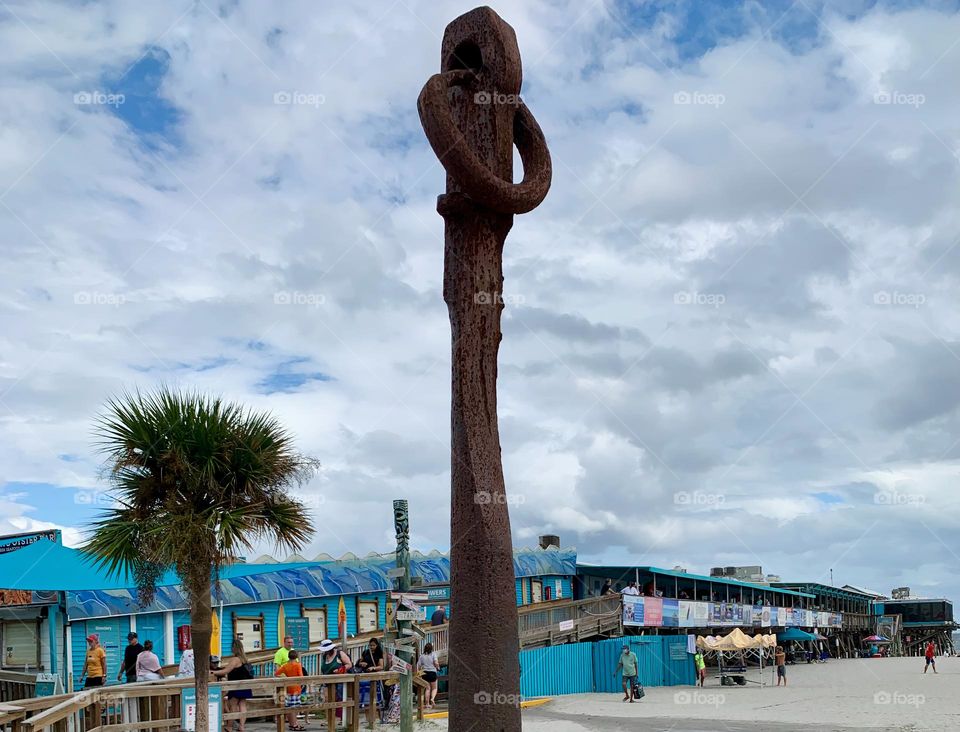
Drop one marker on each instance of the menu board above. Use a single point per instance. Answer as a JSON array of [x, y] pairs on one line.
[[299, 630]]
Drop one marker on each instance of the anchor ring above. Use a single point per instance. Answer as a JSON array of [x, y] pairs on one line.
[[476, 179]]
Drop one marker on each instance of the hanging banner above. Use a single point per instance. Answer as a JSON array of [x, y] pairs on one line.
[[633, 610], [765, 617], [687, 617], [653, 611], [671, 614], [781, 617], [716, 613], [701, 613]]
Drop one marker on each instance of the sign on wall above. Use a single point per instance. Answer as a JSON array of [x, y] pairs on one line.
[[299, 630], [438, 593], [678, 651], [13, 542]]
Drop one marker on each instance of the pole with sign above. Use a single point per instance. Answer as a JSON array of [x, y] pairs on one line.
[[401, 522]]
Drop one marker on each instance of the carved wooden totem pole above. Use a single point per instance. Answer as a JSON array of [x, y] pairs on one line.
[[473, 116]]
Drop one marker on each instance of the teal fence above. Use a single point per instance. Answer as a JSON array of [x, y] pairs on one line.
[[579, 668]]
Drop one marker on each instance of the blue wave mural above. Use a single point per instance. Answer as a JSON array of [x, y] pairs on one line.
[[305, 579]]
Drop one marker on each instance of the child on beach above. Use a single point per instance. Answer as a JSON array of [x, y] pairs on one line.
[[780, 659], [701, 666]]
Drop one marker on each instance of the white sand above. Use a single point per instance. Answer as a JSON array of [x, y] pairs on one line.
[[886, 694]]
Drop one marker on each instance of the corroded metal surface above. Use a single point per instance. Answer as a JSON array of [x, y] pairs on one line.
[[473, 116]]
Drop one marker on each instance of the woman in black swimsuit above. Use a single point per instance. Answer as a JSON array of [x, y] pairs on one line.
[[236, 669]]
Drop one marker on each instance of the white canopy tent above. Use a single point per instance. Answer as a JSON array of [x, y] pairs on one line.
[[735, 649]]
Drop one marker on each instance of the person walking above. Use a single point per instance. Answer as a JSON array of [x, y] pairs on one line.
[[148, 665], [130, 653], [292, 669], [283, 652], [430, 666], [780, 659], [628, 664], [700, 666], [631, 589], [439, 616], [929, 654], [238, 668], [94, 672]]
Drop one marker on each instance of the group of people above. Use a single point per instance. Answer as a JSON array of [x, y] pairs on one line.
[[140, 663]]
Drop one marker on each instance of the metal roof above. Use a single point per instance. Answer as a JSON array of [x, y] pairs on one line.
[[828, 590], [697, 577]]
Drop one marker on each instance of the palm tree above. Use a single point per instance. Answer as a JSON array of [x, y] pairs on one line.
[[196, 482]]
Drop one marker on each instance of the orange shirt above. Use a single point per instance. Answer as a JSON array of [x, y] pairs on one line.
[[290, 669]]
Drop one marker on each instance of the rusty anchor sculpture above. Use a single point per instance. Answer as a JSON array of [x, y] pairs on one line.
[[473, 116]]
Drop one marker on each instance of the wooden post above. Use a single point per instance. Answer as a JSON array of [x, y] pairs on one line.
[[355, 710], [473, 117], [330, 695], [401, 520]]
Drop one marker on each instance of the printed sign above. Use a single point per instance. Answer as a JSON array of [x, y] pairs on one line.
[[653, 611], [411, 615], [19, 541], [566, 625], [438, 593], [48, 685], [671, 613], [299, 630], [633, 610], [678, 651], [396, 572], [188, 706]]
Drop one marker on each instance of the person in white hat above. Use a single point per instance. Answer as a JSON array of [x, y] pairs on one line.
[[332, 659]]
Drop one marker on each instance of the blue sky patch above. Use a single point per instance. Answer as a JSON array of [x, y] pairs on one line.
[[287, 377], [152, 118]]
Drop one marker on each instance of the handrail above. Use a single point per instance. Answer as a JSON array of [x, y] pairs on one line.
[[107, 695], [64, 709]]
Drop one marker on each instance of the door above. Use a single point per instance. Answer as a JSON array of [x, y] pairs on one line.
[[250, 632], [318, 623], [536, 591], [151, 627], [367, 612], [108, 631], [524, 596], [21, 644]]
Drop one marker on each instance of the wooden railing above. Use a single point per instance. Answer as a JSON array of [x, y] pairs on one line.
[[156, 705], [16, 685], [569, 621], [858, 621]]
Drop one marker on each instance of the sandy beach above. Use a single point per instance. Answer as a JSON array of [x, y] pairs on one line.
[[879, 694]]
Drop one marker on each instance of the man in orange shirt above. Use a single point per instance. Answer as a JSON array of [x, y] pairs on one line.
[[291, 669]]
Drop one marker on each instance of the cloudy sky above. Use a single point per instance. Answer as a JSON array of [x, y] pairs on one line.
[[732, 333]]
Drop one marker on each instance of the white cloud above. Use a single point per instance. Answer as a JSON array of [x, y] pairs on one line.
[[266, 234]]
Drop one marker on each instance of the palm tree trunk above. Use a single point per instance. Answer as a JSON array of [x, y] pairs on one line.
[[200, 629]]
